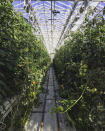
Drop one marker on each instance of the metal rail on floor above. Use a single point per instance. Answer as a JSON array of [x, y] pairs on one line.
[[57, 116], [54, 88], [43, 112]]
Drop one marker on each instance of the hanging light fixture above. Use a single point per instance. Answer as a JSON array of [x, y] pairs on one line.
[[55, 12]]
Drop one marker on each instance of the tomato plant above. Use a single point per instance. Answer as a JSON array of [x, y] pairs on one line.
[[24, 61], [80, 68]]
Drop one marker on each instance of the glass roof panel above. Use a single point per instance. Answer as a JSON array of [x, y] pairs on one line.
[[62, 5], [53, 18]]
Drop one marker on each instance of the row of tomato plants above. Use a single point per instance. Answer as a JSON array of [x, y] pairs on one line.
[[24, 61], [80, 69]]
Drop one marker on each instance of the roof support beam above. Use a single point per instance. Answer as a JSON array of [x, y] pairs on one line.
[[82, 16], [67, 21], [65, 4], [19, 4]]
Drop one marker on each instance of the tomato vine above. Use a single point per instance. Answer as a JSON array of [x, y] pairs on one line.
[[24, 61], [79, 65]]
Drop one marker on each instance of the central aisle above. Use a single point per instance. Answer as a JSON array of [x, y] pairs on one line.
[[41, 118], [50, 121]]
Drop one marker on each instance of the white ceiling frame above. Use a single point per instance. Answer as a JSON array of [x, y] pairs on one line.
[[68, 21], [19, 8], [39, 8], [62, 16], [35, 4], [58, 28], [82, 16], [55, 6], [50, 10], [43, 13], [48, 37], [60, 2], [56, 19], [19, 4]]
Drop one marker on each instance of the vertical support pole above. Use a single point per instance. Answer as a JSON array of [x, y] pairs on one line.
[[51, 26]]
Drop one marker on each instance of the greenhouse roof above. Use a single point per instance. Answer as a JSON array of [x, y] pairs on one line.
[[53, 19]]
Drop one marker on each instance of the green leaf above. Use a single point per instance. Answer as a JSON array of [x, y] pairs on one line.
[[53, 109], [2, 75], [70, 119], [9, 66], [3, 93], [60, 108], [2, 64], [11, 1], [3, 84], [2, 52]]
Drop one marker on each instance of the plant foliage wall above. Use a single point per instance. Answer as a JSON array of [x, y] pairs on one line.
[[80, 69], [23, 62]]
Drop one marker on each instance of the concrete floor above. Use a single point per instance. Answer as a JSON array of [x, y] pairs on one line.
[[42, 114]]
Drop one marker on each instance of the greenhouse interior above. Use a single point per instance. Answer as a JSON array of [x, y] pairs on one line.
[[52, 65]]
